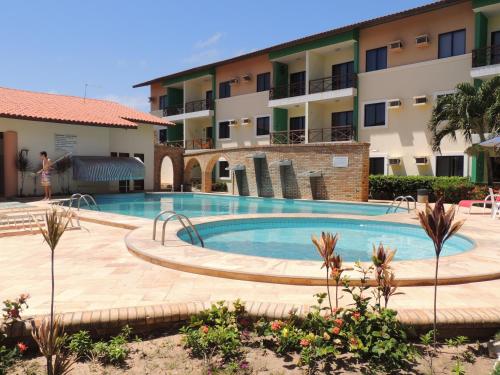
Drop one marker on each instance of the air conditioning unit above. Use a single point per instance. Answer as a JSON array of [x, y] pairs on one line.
[[246, 78], [421, 160], [234, 81], [419, 100], [245, 121], [394, 161], [233, 123], [397, 45], [422, 40], [394, 103]]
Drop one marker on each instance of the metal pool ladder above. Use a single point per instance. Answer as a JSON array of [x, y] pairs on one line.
[[399, 200], [78, 197], [183, 219]]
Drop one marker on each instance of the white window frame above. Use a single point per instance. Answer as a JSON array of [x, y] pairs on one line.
[[465, 156], [380, 155], [228, 178], [386, 125], [218, 125], [270, 126], [444, 92]]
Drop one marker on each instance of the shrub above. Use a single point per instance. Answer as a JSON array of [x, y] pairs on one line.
[[81, 344], [452, 189], [219, 186]]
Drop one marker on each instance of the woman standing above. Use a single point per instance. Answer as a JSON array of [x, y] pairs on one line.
[[45, 171]]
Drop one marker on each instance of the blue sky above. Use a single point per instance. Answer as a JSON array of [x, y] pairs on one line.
[[59, 46]]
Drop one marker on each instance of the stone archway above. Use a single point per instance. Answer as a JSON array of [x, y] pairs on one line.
[[177, 159], [193, 173]]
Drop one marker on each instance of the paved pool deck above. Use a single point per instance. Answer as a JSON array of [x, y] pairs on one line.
[[96, 272]]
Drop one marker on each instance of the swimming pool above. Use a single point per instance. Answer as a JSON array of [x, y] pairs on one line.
[[197, 205], [290, 238]]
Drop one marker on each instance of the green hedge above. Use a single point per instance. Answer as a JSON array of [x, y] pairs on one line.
[[453, 189]]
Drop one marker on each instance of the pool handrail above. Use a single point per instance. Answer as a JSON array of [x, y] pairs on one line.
[[182, 218], [79, 197], [400, 199]]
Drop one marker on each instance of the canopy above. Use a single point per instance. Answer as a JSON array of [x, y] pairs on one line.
[[493, 142], [107, 168]]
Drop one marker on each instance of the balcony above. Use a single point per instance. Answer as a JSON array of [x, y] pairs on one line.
[[332, 83], [199, 144], [198, 105], [176, 144], [173, 111], [287, 91], [486, 62], [288, 137], [332, 134]]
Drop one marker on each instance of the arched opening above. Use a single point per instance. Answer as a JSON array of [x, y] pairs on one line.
[[218, 175], [167, 174], [192, 175]]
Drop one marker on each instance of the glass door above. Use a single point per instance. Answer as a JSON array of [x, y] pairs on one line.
[[298, 83], [342, 75], [297, 130], [495, 47], [209, 97]]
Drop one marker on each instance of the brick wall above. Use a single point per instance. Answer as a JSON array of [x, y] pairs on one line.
[[263, 177], [176, 155]]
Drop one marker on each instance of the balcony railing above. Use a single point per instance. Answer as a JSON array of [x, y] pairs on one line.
[[288, 137], [486, 56], [286, 91], [198, 105], [332, 134], [173, 110], [199, 144], [331, 83], [177, 144]]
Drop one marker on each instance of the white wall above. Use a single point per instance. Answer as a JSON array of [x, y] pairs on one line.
[[37, 136]]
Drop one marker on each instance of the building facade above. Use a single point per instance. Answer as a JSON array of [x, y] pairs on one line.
[[373, 82]]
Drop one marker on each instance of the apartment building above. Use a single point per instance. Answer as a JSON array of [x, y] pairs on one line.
[[374, 81]]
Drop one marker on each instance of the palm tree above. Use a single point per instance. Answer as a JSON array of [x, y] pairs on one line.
[[470, 110]]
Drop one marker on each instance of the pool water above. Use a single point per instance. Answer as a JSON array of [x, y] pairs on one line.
[[290, 238], [196, 205]]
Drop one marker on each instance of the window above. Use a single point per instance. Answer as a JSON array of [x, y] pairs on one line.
[[375, 114], [139, 184], [263, 124], [376, 59], [263, 82], [450, 165], [224, 90], [223, 171], [377, 166], [163, 102], [342, 75], [342, 118], [162, 135], [224, 130], [451, 44]]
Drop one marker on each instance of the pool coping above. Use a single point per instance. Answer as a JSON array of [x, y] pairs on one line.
[[478, 264]]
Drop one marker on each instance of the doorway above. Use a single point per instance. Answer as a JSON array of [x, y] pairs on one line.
[[495, 47]]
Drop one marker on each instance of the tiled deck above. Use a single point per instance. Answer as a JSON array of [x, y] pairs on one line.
[[95, 271]]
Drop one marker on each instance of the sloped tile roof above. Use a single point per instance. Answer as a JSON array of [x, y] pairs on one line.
[[29, 105]]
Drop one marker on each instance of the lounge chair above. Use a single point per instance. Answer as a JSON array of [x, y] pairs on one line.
[[490, 199]]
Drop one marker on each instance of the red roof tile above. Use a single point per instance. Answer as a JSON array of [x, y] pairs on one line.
[[39, 106]]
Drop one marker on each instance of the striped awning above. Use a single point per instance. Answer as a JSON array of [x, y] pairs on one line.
[[107, 168]]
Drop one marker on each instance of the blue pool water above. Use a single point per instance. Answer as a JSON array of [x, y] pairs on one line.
[[195, 205], [290, 238]]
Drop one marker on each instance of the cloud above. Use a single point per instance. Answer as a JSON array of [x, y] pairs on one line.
[[139, 103], [214, 39], [203, 57]]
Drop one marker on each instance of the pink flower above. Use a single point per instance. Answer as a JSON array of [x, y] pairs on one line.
[[276, 325], [356, 315], [305, 343], [339, 322], [204, 329], [335, 330], [354, 341], [22, 347]]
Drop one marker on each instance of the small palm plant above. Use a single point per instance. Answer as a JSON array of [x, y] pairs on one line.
[[470, 110], [49, 335], [326, 248], [439, 226], [381, 258], [22, 165], [61, 169]]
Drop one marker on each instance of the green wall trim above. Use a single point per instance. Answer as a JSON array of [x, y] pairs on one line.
[[326, 41], [214, 122], [355, 104], [477, 171], [280, 119], [280, 74], [187, 77], [481, 30], [483, 3], [175, 97], [176, 132]]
